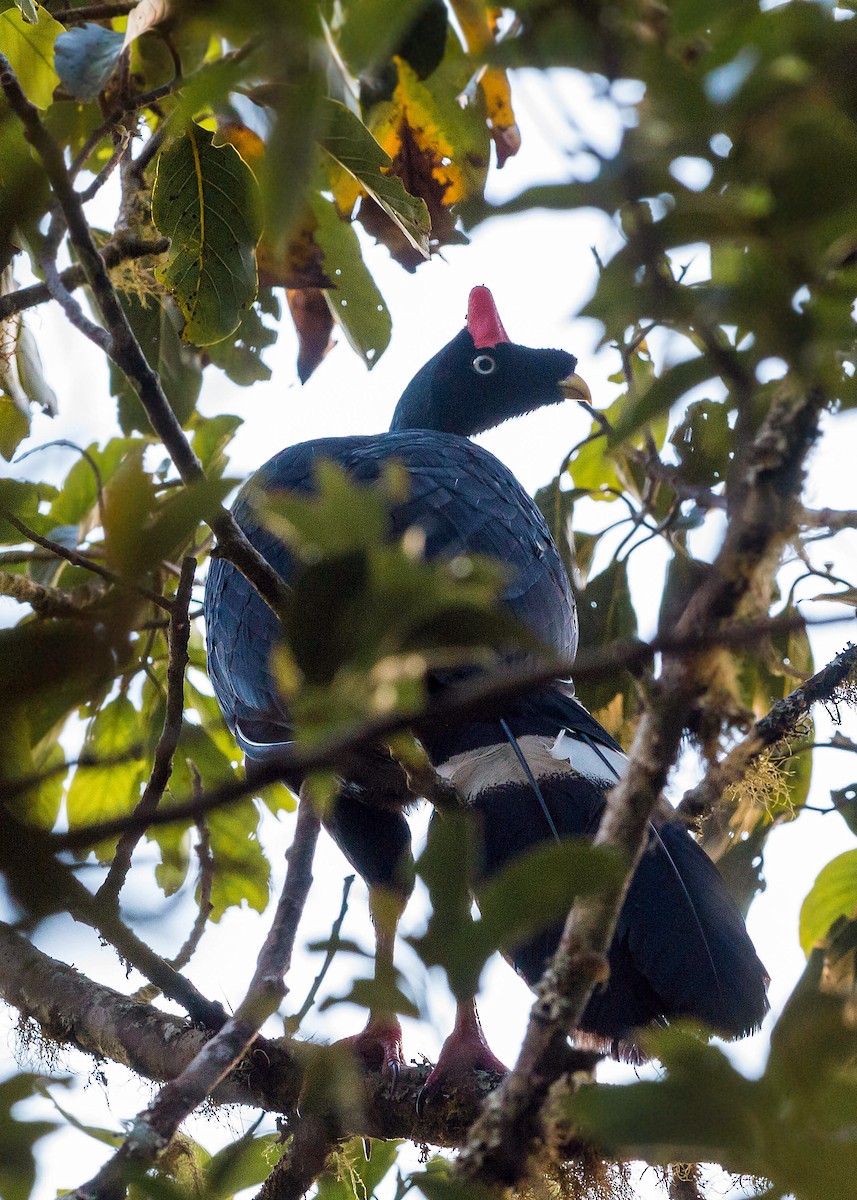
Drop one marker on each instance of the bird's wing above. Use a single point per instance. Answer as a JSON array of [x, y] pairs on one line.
[[463, 499]]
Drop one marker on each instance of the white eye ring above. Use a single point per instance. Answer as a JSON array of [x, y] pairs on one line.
[[484, 364]]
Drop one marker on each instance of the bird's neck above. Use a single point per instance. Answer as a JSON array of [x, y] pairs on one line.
[[429, 401]]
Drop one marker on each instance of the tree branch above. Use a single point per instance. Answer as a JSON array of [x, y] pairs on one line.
[[88, 564], [75, 1011], [124, 349], [93, 12], [763, 502], [153, 1129], [781, 721], [47, 601], [41, 885], [178, 637], [460, 703], [834, 519], [117, 251]]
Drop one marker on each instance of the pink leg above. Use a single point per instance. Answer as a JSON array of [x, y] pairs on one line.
[[379, 1045], [463, 1052]]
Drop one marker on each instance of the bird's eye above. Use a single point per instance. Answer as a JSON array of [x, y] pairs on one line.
[[484, 364]]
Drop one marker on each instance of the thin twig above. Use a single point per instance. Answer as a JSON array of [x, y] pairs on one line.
[[293, 1024], [204, 905], [162, 762], [93, 12], [109, 167], [190, 945], [150, 1134], [81, 560]]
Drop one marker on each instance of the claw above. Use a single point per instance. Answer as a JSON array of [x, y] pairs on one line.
[[464, 1052], [379, 1046], [393, 1070], [367, 1148]]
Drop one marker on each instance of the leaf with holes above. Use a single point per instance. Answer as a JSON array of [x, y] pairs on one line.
[[205, 200], [356, 304]]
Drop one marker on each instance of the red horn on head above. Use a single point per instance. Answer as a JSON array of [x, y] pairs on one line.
[[483, 320]]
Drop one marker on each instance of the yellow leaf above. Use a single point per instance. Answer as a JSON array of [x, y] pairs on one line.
[[425, 124], [497, 92], [30, 50]]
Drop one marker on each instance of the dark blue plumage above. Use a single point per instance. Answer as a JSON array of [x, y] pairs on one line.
[[680, 947], [463, 499]]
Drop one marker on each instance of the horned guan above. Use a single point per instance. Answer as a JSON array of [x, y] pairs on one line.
[[538, 769]]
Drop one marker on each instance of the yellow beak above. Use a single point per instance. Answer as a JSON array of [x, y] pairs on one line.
[[575, 388]]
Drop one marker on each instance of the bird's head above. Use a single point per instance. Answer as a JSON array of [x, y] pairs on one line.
[[481, 378]]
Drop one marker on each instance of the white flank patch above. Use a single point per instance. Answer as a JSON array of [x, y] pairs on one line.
[[477, 771], [587, 761]]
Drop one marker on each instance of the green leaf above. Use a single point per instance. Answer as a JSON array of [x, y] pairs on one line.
[[833, 895], [108, 1137], [99, 793], [356, 304], [244, 1164], [30, 50], [211, 436], [379, 994], [241, 871], [373, 28], [845, 802], [79, 493], [354, 1173], [157, 325], [353, 148], [49, 668], [14, 427], [240, 356], [607, 614], [534, 891], [86, 57], [18, 1138], [20, 499], [205, 200], [662, 394], [703, 442]]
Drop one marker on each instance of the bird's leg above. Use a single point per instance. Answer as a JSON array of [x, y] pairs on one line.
[[463, 1052], [379, 1046], [377, 842]]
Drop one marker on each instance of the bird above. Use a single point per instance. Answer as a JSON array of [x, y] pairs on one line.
[[535, 770]]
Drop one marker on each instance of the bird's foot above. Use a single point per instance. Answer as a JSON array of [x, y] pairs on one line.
[[463, 1052], [378, 1047]]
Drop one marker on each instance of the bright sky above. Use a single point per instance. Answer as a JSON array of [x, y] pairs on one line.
[[541, 269]]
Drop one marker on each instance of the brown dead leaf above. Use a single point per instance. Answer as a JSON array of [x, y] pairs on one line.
[[314, 324]]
